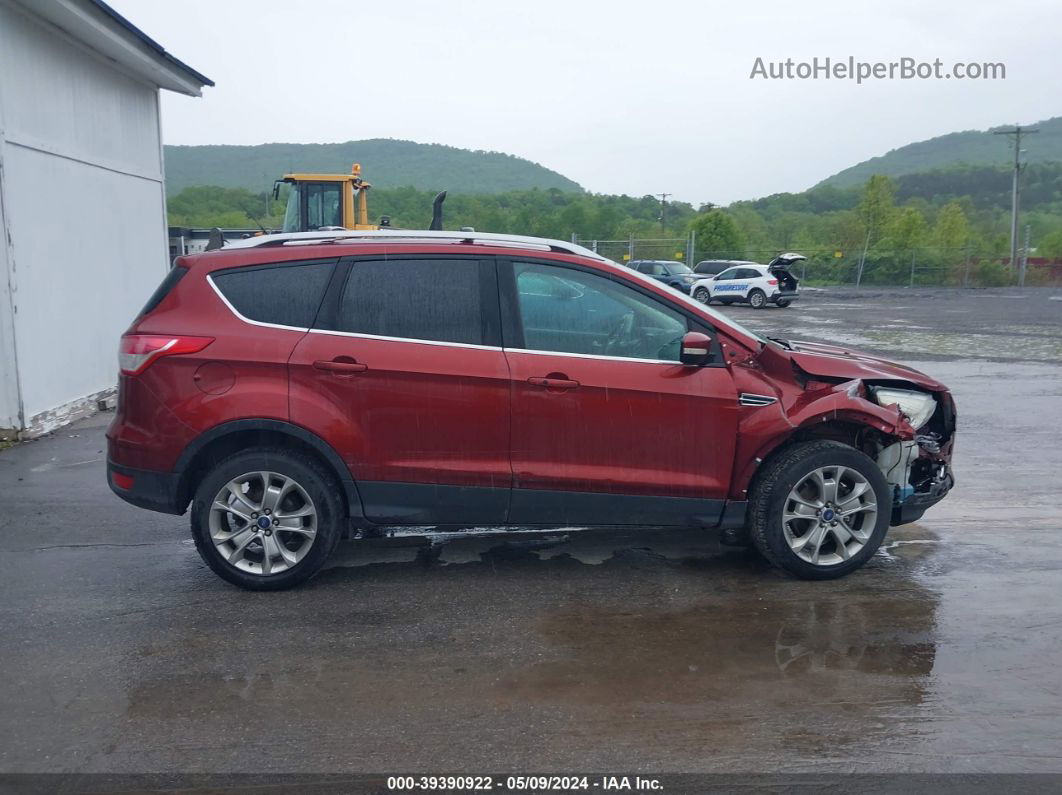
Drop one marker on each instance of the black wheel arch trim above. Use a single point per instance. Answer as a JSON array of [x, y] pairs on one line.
[[319, 445]]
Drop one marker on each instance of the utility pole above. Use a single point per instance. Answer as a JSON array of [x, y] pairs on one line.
[[1024, 257], [863, 258], [1015, 197], [663, 210]]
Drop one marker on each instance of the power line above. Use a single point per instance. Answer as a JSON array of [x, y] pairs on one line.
[[1015, 196]]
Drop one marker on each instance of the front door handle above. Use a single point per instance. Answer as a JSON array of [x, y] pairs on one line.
[[341, 365], [553, 381]]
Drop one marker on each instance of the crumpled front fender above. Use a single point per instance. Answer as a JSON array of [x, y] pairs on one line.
[[762, 430]]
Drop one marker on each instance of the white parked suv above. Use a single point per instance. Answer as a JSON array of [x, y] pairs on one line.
[[756, 285]]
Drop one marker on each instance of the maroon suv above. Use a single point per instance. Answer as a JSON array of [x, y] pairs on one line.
[[295, 388]]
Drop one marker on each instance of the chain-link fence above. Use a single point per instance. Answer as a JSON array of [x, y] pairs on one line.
[[626, 251], [925, 266]]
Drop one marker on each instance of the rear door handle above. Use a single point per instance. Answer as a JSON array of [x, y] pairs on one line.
[[553, 383], [341, 365]]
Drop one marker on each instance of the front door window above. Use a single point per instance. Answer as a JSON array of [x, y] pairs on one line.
[[571, 311]]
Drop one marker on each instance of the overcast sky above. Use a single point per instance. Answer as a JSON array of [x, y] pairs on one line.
[[623, 97]]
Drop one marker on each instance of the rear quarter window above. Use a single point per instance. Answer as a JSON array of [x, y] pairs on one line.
[[287, 294], [168, 283]]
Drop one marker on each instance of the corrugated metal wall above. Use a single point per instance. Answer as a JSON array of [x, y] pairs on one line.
[[85, 206]]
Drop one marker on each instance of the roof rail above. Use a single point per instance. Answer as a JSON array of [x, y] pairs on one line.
[[412, 235]]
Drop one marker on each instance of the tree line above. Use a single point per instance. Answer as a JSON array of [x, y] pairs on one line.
[[943, 238]]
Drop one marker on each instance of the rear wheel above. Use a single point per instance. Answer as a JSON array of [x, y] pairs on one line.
[[819, 510], [266, 519], [702, 295], [757, 299]]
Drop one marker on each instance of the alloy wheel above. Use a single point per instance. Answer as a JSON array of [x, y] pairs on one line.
[[263, 522], [829, 515]]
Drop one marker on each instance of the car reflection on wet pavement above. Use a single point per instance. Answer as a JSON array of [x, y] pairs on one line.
[[597, 650]]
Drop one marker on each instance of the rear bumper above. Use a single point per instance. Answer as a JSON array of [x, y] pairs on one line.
[[785, 296], [911, 509], [156, 491]]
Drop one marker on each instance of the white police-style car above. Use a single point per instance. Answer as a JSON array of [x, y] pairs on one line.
[[756, 285]]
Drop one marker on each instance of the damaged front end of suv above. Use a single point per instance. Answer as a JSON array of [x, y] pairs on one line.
[[901, 418], [918, 469]]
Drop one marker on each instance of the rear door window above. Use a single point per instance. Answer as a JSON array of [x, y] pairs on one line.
[[432, 299], [287, 294]]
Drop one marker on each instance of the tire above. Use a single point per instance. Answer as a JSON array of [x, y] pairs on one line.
[[783, 302], [771, 499], [757, 299], [701, 294], [296, 554]]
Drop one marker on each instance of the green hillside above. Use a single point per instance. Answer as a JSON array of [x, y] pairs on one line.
[[386, 163], [973, 147], [986, 186], [983, 187]]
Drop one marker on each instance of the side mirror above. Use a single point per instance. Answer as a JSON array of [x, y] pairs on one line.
[[696, 349]]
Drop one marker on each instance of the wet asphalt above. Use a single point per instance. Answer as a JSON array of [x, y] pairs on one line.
[[598, 651]]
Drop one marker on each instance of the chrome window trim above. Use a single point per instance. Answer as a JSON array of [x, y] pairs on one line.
[[596, 356], [380, 337]]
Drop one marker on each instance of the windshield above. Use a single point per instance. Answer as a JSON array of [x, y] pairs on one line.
[[323, 206], [678, 269], [291, 212]]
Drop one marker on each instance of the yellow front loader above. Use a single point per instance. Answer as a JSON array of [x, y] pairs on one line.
[[326, 201]]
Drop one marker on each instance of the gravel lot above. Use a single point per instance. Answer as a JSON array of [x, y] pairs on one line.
[[601, 651]]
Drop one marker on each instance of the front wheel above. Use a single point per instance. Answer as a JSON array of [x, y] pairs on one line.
[[757, 299], [819, 510], [702, 295], [266, 519]]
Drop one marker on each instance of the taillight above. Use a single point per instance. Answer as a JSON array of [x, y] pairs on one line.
[[137, 351], [772, 281]]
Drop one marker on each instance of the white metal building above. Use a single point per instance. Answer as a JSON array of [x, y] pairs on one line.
[[82, 202]]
